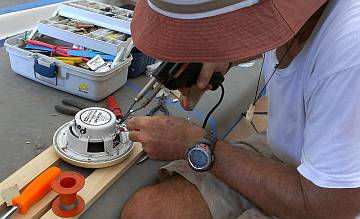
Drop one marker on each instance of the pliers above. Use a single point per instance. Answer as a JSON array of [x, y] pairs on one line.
[[161, 106], [71, 107]]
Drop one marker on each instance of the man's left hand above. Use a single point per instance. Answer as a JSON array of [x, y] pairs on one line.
[[164, 138]]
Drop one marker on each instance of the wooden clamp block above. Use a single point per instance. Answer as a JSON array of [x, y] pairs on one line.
[[23, 176], [95, 184]]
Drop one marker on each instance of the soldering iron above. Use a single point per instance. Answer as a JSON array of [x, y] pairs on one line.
[[172, 76]]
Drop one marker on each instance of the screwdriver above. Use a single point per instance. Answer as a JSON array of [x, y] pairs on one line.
[[35, 191]]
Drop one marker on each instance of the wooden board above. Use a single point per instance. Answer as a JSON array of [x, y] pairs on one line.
[[95, 184], [101, 179], [29, 171]]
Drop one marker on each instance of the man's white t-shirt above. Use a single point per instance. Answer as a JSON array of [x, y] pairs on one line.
[[314, 104]]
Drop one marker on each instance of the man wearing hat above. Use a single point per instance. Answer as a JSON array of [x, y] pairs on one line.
[[308, 166]]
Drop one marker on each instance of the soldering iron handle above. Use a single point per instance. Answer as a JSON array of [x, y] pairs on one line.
[[188, 77], [36, 190], [151, 96], [145, 89]]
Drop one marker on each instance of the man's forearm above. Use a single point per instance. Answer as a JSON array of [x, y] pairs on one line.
[[274, 187]]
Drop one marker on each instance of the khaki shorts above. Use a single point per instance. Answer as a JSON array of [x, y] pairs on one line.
[[223, 202]]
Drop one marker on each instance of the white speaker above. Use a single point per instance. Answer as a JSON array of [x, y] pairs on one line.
[[93, 139]]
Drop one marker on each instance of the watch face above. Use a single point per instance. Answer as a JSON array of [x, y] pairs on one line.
[[199, 158]]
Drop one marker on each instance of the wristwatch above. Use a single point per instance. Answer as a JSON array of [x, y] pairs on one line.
[[200, 156]]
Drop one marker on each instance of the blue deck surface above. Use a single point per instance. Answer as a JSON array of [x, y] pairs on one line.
[[26, 6]]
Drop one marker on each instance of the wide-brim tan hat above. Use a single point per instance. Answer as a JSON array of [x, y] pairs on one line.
[[217, 30]]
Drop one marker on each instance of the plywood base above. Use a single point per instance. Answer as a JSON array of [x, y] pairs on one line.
[[96, 183], [29, 171]]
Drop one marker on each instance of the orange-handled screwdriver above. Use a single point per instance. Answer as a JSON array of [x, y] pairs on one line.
[[35, 191]]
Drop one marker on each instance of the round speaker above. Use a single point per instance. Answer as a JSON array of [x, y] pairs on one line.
[[93, 139]]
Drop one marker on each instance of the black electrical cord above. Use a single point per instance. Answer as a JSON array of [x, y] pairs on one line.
[[273, 73], [215, 107], [259, 94], [258, 82]]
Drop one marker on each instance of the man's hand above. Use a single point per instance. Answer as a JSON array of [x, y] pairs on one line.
[[207, 71], [202, 84], [164, 138]]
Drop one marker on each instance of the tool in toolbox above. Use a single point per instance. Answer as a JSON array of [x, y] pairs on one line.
[[35, 191], [70, 107], [93, 139], [161, 106], [89, 54], [173, 76], [85, 55], [66, 51], [75, 60], [58, 50], [83, 28], [68, 203], [113, 106]]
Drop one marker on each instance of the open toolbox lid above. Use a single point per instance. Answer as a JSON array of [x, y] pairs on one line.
[[113, 23], [103, 15]]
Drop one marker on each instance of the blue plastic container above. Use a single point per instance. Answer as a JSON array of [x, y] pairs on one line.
[[139, 63]]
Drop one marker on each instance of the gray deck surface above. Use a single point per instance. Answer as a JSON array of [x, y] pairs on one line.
[[26, 109], [27, 125]]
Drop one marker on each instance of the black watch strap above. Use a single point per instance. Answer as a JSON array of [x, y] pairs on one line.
[[209, 139]]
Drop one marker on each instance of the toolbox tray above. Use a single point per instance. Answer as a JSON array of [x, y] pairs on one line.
[[54, 28], [59, 75], [89, 11]]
